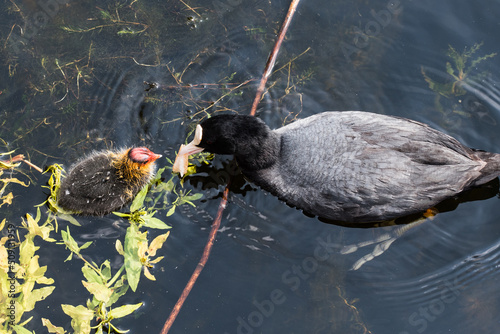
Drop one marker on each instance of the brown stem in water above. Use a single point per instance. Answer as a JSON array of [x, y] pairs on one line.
[[222, 205], [272, 57], [201, 264], [20, 157]]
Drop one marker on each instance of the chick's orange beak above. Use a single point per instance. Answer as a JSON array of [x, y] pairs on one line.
[[154, 157], [182, 159]]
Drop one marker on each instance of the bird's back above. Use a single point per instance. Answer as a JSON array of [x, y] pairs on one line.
[[92, 187], [359, 166]]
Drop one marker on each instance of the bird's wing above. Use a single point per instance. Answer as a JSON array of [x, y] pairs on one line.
[[368, 163]]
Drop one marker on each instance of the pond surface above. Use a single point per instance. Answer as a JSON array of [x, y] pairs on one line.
[[73, 81]]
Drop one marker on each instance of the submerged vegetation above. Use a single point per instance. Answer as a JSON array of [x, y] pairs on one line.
[[5, 165], [19, 265], [453, 88]]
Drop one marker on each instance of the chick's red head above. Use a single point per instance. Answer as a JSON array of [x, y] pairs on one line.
[[142, 155]]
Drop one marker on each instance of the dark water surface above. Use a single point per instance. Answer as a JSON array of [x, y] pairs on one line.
[[67, 92]]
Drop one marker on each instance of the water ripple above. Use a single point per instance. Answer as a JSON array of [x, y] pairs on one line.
[[440, 284]]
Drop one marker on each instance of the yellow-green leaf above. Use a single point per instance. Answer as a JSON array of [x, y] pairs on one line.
[[100, 291], [132, 260], [14, 180], [70, 256], [119, 289], [153, 222], [121, 214], [138, 201], [81, 317], [143, 248], [69, 241], [36, 295], [7, 199], [69, 218], [86, 245], [32, 223], [106, 270], [148, 274], [193, 197], [157, 243], [123, 311], [25, 322], [79, 311], [91, 275], [26, 251], [158, 259], [45, 280], [171, 211], [21, 330], [51, 328], [119, 247]]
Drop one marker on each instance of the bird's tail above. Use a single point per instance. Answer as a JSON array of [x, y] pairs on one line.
[[492, 168]]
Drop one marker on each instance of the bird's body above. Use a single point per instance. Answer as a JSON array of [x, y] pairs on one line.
[[369, 167], [105, 181], [351, 166]]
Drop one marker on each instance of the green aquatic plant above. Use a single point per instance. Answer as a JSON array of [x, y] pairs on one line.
[[183, 198], [460, 71], [23, 282], [461, 68], [20, 272], [53, 184], [6, 165], [159, 195], [105, 289], [110, 21], [141, 216], [136, 251]]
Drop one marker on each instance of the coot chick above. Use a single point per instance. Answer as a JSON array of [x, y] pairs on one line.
[[105, 181], [348, 166]]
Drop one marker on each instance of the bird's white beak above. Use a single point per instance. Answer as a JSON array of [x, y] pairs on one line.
[[182, 159]]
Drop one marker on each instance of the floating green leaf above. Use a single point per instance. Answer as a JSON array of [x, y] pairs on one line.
[[123, 311], [68, 240], [21, 330], [171, 211], [119, 247], [133, 263], [69, 218], [152, 222], [35, 296], [100, 291], [90, 274], [157, 243], [51, 328], [81, 317], [138, 201], [106, 270], [119, 289]]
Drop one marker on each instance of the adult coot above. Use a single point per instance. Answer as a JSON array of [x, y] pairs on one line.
[[105, 181], [348, 166]]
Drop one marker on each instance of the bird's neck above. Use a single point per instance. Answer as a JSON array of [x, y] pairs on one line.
[[260, 153]]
